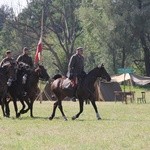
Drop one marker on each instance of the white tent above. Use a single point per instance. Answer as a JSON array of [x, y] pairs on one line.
[[140, 80], [120, 78]]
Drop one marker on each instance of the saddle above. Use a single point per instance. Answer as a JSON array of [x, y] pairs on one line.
[[67, 84]]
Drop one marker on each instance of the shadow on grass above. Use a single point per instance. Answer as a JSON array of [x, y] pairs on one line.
[[30, 118]]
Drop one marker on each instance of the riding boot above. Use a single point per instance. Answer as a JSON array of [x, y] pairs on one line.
[[74, 99]]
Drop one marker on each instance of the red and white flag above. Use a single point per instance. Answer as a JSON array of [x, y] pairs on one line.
[[38, 52]]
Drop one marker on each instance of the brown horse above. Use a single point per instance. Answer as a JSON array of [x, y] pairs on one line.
[[85, 90]]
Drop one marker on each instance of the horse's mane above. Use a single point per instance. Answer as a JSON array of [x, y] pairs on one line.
[[91, 72]]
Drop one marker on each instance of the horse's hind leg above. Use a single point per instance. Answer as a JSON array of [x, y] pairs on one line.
[[31, 108], [95, 108], [81, 110], [54, 110], [3, 111], [61, 110]]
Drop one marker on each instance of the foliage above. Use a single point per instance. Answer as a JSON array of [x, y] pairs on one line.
[[113, 32]]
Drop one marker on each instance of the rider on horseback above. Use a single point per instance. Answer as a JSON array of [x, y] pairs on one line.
[[76, 68], [25, 58], [8, 59]]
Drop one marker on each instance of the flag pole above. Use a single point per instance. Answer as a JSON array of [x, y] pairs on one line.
[[42, 31], [41, 38]]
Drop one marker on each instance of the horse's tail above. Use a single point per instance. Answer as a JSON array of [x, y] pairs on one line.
[[97, 90], [57, 76]]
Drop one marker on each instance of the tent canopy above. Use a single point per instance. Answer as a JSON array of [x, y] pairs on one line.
[[140, 80]]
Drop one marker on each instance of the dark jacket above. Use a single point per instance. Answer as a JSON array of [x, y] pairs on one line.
[[76, 65], [6, 59], [26, 59]]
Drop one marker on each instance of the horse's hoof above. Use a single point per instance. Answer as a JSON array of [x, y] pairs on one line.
[[74, 117], [18, 115], [7, 116], [99, 118], [50, 118], [65, 118]]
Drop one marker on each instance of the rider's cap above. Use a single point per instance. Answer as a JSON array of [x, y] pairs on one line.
[[25, 49], [8, 51], [80, 48]]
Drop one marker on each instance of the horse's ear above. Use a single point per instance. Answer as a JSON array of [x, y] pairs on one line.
[[102, 65]]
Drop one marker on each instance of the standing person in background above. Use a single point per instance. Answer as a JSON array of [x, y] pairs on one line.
[[24, 57], [76, 68]]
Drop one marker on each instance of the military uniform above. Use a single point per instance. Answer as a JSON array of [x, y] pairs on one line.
[[7, 59], [26, 59], [76, 66]]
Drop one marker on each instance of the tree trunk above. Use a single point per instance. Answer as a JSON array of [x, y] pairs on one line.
[[123, 57], [146, 54]]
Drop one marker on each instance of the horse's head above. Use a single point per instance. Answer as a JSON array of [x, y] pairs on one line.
[[101, 72], [43, 75]]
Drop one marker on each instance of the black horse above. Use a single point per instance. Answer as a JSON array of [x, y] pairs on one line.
[[84, 91], [30, 87], [7, 72], [16, 90]]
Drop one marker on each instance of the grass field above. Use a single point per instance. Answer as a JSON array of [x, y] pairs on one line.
[[122, 127]]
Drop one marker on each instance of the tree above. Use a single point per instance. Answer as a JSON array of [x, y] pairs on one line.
[[61, 28]]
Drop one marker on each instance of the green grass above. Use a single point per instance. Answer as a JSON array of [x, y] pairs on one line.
[[122, 127]]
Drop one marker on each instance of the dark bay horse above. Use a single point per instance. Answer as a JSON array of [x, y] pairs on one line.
[[7, 71], [84, 91], [16, 90], [30, 87]]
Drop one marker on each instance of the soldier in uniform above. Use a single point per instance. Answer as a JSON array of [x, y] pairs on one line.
[[24, 57], [76, 68], [76, 65], [8, 58]]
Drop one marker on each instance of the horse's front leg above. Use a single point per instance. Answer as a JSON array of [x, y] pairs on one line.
[[81, 109], [61, 110], [7, 109], [54, 110], [23, 107], [95, 108], [15, 107], [23, 110]]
